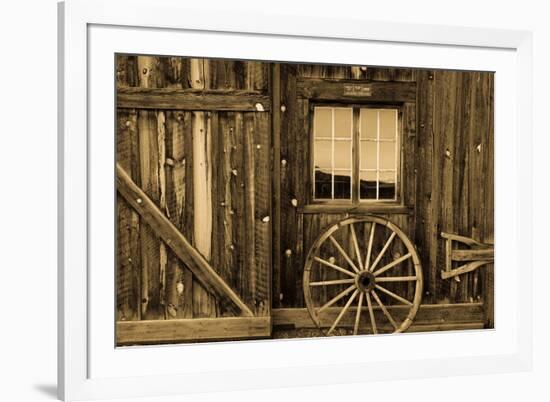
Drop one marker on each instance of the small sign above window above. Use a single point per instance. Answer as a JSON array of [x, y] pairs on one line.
[[357, 90]]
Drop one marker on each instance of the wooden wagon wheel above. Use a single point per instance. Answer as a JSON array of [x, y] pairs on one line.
[[372, 255]]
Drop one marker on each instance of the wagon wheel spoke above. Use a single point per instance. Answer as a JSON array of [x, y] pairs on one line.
[[397, 279], [392, 264], [334, 266], [384, 310], [334, 282], [371, 314], [391, 294], [356, 245], [344, 254], [369, 247], [344, 309], [336, 298], [358, 313], [388, 242]]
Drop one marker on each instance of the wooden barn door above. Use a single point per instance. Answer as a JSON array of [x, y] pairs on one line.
[[193, 199]]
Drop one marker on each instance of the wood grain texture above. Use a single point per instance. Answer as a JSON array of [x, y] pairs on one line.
[[163, 228], [128, 257], [192, 99], [427, 314], [343, 90], [192, 330]]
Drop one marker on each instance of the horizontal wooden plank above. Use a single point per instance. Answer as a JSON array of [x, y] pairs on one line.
[[340, 90], [190, 256], [192, 99], [355, 209], [473, 255], [428, 314], [186, 330]]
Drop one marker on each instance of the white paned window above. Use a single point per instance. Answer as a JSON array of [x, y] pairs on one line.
[[355, 154]]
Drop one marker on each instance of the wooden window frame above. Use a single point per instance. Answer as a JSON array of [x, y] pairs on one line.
[[355, 203]]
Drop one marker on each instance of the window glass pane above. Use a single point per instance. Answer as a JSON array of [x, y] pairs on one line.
[[342, 122], [323, 122], [342, 185], [323, 184], [342, 154], [368, 123], [367, 185], [388, 124], [387, 186], [322, 154], [368, 155], [387, 155]]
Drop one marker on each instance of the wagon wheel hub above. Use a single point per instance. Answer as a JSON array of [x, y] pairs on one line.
[[365, 281]]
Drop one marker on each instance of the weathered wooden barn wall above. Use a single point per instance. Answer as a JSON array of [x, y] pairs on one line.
[[211, 173], [447, 174], [208, 171], [456, 184]]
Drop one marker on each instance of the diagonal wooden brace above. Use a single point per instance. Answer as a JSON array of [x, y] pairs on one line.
[[188, 254], [478, 255]]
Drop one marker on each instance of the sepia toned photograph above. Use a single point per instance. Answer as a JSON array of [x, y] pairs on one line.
[[277, 200]]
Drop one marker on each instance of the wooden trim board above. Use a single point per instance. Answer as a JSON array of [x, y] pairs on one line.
[[199, 329], [435, 316], [347, 90], [192, 99]]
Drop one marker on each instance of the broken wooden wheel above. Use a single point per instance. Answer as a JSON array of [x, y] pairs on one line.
[[363, 276]]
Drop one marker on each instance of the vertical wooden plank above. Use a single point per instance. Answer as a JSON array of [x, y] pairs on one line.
[[149, 242], [226, 123], [489, 303], [178, 150], [202, 194], [461, 170], [262, 213], [425, 138], [204, 305], [238, 206], [249, 275], [163, 253], [128, 261], [446, 123], [381, 73], [174, 71], [276, 199], [126, 71], [257, 76], [408, 150], [287, 276]]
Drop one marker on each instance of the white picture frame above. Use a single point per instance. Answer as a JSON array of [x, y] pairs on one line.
[[89, 365]]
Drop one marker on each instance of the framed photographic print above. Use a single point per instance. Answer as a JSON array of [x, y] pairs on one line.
[[277, 197]]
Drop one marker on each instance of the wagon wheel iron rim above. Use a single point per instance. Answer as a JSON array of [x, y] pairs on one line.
[[364, 276]]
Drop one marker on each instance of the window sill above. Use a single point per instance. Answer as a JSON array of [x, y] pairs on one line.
[[357, 209]]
